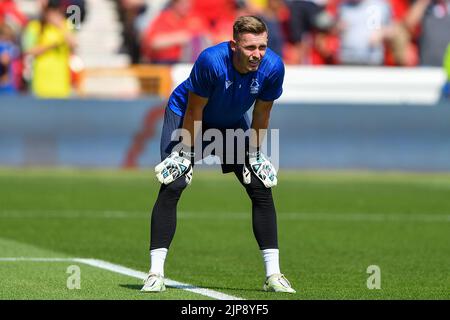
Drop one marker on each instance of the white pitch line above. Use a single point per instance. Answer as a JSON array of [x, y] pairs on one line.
[[36, 259], [129, 272], [300, 216], [142, 275]]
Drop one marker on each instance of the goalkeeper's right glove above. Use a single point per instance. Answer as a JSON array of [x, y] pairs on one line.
[[175, 166]]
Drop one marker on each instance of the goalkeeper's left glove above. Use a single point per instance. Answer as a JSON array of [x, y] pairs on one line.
[[175, 166], [262, 168]]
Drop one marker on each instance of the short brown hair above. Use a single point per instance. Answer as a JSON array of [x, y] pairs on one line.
[[248, 24]]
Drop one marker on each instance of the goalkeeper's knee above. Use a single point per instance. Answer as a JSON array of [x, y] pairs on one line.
[[176, 187], [257, 191]]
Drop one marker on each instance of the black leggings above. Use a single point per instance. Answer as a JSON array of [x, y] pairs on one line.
[[164, 214]]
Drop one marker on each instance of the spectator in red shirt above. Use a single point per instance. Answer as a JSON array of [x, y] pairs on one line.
[[10, 12], [222, 26], [401, 50], [214, 11], [175, 35]]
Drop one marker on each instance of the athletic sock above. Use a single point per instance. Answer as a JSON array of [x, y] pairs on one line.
[[157, 258], [271, 261]]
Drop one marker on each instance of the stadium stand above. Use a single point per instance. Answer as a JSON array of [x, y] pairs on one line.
[[115, 32]]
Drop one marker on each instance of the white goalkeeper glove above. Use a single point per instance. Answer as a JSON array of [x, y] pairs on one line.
[[173, 167], [262, 168]]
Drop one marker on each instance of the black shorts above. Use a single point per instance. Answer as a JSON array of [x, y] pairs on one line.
[[232, 152]]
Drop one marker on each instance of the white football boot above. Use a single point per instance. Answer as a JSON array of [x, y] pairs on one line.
[[154, 283], [278, 283]]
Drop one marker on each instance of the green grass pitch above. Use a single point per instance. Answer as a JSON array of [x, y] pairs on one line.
[[332, 225]]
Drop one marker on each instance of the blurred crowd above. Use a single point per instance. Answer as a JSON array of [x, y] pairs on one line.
[[35, 52], [315, 32]]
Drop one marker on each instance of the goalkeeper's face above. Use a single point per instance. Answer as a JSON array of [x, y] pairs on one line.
[[248, 51]]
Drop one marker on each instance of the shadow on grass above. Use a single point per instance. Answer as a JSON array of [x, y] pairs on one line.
[[136, 287], [185, 287]]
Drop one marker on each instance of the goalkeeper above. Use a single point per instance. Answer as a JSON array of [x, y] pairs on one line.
[[226, 80]]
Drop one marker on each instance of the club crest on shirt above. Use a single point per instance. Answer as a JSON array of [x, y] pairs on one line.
[[254, 86]]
